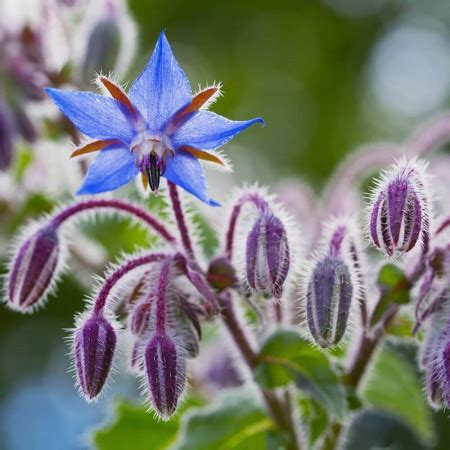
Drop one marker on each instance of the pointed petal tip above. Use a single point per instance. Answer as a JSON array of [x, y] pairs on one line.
[[214, 203]]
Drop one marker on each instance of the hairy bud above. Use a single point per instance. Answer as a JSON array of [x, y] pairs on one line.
[[166, 374], [140, 315], [267, 256], [328, 301], [400, 209], [34, 269], [94, 346], [435, 360]]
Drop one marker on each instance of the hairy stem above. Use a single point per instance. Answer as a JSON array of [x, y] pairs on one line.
[[181, 220], [161, 294], [254, 198], [120, 206]]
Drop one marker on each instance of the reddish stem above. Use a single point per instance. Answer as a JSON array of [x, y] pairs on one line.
[[254, 198], [123, 207], [180, 219]]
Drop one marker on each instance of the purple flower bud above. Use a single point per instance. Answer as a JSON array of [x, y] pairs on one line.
[[185, 320], [6, 137], [166, 374], [435, 360], [102, 49], [94, 345], [399, 214], [267, 257], [328, 301], [221, 274], [137, 356], [140, 315], [34, 269]]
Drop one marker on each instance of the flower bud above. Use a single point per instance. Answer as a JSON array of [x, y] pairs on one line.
[[328, 301], [435, 360], [34, 269], [102, 49], [267, 256], [399, 214], [140, 316], [185, 319], [6, 136], [221, 274], [166, 374], [94, 345]]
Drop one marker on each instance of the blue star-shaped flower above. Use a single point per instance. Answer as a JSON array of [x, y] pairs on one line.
[[158, 129]]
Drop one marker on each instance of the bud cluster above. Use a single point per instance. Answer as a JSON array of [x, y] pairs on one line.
[[399, 216]]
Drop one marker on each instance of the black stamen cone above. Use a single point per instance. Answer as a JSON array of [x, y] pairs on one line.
[[153, 173]]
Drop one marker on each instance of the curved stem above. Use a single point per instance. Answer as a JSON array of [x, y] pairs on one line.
[[180, 219], [430, 136], [118, 274], [354, 167], [120, 206], [254, 198]]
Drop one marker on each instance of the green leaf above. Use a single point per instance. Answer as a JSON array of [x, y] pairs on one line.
[[286, 357], [22, 160], [394, 289], [235, 421], [373, 430], [391, 384], [315, 416], [134, 427]]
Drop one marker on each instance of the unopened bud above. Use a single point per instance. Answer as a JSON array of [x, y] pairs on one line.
[[221, 274], [166, 374], [34, 269], [94, 346], [328, 301], [436, 362], [102, 49], [6, 137], [185, 319], [399, 214], [140, 315], [267, 256]]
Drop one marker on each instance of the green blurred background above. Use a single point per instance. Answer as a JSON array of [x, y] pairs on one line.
[[327, 76]]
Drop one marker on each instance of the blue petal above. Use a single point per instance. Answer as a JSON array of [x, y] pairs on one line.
[[162, 88], [186, 171], [97, 116], [112, 168], [207, 130]]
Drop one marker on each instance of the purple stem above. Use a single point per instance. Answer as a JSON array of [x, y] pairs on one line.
[[355, 166], [180, 219], [336, 241], [161, 294], [124, 207], [197, 281], [445, 224], [254, 198], [118, 274]]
